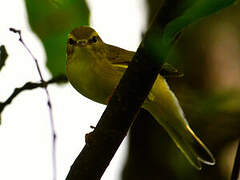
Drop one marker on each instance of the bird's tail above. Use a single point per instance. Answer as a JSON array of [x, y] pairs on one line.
[[191, 146], [165, 108], [183, 136]]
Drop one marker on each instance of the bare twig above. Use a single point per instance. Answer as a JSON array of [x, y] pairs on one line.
[[30, 86], [236, 165], [48, 101]]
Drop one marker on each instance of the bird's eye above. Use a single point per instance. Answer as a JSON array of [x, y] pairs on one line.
[[71, 41], [94, 39]]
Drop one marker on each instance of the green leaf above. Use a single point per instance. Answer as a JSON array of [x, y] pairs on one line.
[[52, 20], [3, 56], [198, 10]]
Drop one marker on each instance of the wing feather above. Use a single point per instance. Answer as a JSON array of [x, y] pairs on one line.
[[120, 58]]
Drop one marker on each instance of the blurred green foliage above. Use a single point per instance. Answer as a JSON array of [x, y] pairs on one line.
[[189, 12], [52, 20], [192, 14]]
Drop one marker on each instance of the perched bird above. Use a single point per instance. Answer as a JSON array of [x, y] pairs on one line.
[[95, 68]]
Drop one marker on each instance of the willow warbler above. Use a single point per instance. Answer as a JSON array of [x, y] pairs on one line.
[[95, 68]]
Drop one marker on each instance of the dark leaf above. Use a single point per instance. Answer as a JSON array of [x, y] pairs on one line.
[[3, 56]]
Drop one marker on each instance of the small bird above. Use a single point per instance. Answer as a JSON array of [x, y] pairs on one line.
[[95, 68]]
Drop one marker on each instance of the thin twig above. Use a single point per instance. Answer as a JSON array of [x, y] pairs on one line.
[[48, 101], [30, 86], [236, 165]]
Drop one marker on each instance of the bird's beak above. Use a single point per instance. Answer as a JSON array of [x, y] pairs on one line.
[[82, 43]]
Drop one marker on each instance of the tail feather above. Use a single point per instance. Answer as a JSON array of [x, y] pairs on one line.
[[191, 146], [183, 136], [165, 108], [184, 147], [204, 155]]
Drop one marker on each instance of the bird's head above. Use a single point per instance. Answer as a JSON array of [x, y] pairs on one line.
[[83, 37]]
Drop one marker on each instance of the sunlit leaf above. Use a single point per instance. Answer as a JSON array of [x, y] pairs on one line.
[[52, 20]]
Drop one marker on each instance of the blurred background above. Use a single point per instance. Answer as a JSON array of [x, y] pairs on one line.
[[208, 53]]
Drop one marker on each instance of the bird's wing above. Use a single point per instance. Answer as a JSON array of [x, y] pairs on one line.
[[120, 58], [169, 71]]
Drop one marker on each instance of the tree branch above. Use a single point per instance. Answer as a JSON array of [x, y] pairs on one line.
[[30, 86], [103, 142]]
